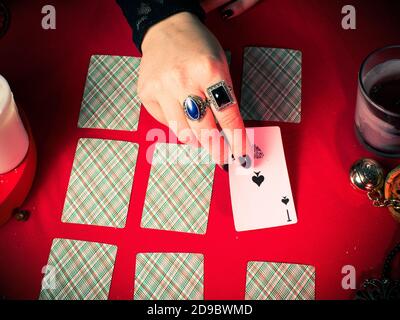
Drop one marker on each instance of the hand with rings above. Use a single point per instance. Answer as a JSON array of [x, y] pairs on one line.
[[184, 82]]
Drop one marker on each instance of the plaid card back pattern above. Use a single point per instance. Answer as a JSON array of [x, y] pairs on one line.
[[279, 281], [169, 276], [110, 99], [78, 270], [179, 190], [100, 184], [271, 85]]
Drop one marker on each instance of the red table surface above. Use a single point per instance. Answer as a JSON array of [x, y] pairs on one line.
[[337, 225]]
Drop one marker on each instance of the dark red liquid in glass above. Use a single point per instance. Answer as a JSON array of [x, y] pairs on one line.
[[387, 94]]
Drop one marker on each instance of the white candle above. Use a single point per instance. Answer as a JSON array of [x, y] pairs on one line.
[[14, 140]]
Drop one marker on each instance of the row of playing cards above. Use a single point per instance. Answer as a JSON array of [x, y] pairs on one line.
[[261, 196]]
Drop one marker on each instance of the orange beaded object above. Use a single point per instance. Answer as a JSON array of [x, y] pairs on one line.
[[392, 190]]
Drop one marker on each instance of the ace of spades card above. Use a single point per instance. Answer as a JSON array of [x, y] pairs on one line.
[[261, 195]]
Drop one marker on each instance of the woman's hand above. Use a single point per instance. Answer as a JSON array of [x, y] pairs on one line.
[[181, 57]]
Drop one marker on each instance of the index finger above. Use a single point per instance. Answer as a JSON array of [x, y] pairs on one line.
[[226, 110]]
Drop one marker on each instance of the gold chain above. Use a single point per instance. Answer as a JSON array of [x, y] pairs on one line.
[[379, 201]]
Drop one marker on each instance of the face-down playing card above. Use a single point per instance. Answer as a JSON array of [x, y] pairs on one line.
[[169, 276], [110, 99], [78, 270], [179, 190], [279, 281], [271, 86], [261, 195], [101, 181]]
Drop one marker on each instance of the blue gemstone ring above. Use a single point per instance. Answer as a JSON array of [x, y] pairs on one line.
[[195, 107]]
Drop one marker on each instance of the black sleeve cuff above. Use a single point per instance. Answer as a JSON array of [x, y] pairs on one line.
[[141, 15]]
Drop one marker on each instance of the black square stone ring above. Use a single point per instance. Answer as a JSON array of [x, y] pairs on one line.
[[220, 95]]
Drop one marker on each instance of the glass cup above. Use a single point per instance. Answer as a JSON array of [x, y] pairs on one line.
[[378, 102]]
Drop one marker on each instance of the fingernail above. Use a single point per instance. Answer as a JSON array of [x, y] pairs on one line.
[[227, 14], [245, 161], [225, 167]]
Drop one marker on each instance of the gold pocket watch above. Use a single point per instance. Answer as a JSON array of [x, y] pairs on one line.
[[368, 176]]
